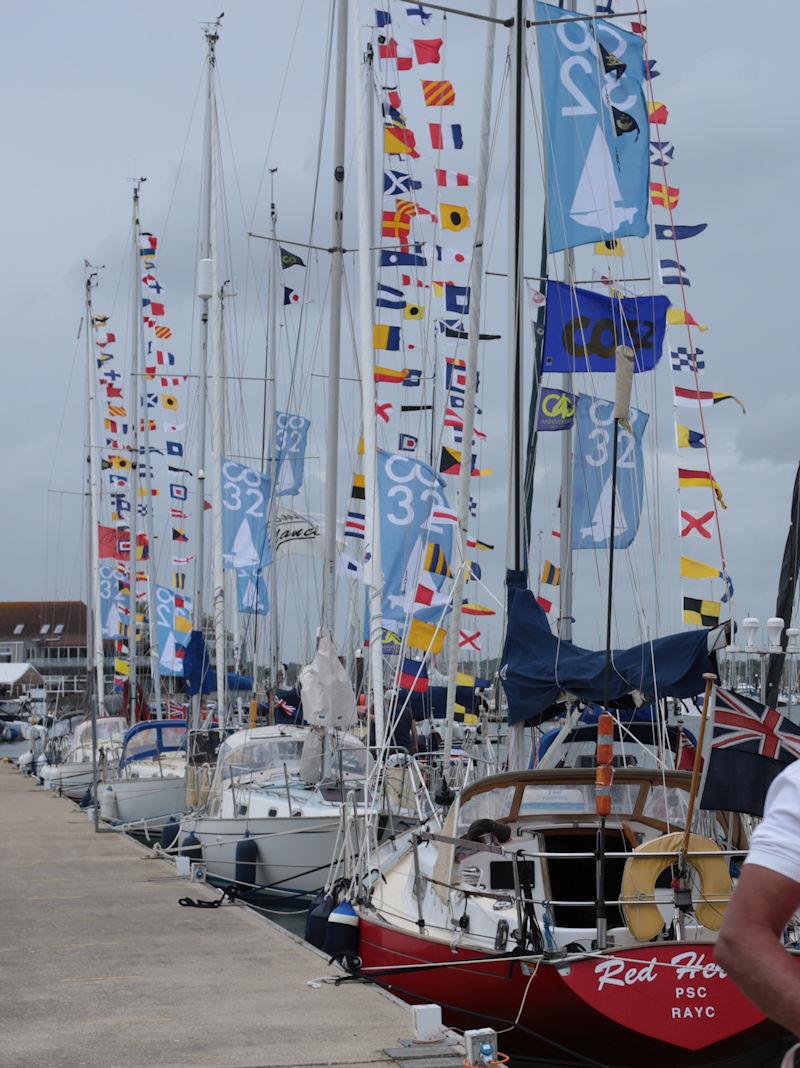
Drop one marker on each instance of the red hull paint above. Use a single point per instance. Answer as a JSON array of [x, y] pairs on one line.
[[641, 1015]]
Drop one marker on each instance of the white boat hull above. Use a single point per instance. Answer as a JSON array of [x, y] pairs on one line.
[[149, 802], [72, 779], [293, 853]]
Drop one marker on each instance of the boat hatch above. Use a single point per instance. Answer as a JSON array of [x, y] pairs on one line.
[[151, 738]]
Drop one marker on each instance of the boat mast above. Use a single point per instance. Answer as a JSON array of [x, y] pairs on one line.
[[217, 420], [204, 293], [94, 615], [465, 473], [141, 394], [272, 382], [565, 519], [133, 417], [335, 334], [373, 574], [516, 554]]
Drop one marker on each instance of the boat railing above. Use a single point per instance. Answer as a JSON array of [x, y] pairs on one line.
[[536, 854]]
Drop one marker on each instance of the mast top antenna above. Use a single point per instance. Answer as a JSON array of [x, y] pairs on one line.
[[211, 29]]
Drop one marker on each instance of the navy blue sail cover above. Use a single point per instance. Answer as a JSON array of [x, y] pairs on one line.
[[198, 674], [538, 667]]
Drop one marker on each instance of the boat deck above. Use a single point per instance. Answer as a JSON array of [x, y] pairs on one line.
[[99, 965]]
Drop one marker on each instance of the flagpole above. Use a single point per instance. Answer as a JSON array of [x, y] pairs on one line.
[[335, 334], [373, 575], [155, 665], [465, 472], [204, 293], [698, 759]]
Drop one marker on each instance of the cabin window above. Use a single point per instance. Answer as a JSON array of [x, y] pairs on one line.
[[45, 628], [18, 629], [59, 629]]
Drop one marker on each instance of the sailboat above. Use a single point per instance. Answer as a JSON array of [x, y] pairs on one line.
[[573, 906]]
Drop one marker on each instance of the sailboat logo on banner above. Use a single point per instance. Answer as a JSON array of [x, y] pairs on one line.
[[596, 201], [600, 530], [243, 552]]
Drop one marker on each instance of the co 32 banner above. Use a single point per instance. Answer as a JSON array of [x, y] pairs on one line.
[[291, 437], [596, 129], [591, 487], [583, 329], [409, 491], [245, 511]]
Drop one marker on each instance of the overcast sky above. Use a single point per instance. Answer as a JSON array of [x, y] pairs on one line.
[[96, 93]]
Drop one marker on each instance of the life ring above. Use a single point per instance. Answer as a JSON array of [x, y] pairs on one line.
[[644, 920]]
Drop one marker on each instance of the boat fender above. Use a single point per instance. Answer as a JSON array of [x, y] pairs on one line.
[[169, 834], [317, 918], [246, 860], [108, 803], [341, 936], [644, 919], [191, 847]]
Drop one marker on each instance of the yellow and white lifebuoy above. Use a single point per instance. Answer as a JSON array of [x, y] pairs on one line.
[[644, 919]]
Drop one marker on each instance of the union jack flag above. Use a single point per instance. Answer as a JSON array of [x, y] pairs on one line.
[[742, 723], [751, 744]]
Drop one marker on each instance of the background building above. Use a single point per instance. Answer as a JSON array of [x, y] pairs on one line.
[[51, 636]]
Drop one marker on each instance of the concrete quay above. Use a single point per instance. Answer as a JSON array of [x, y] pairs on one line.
[[99, 965]]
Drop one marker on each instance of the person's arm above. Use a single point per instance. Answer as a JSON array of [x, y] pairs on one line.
[[749, 946]]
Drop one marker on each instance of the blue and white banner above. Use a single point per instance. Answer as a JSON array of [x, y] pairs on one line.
[[245, 513], [114, 610], [251, 591], [597, 158], [583, 329], [591, 493], [409, 492], [173, 629], [291, 438]]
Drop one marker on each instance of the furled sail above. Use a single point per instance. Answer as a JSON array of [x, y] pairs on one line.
[[539, 668]]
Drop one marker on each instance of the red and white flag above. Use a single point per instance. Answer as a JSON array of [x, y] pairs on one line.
[[453, 178]]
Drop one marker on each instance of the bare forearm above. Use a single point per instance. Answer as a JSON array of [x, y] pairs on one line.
[[769, 975]]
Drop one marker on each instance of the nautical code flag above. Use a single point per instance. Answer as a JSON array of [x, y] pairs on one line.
[[689, 478], [683, 359], [750, 745], [355, 525], [661, 152], [701, 613], [444, 136], [698, 525], [438, 94], [448, 178], [398, 184], [388, 297], [413, 257], [704, 398], [673, 273]]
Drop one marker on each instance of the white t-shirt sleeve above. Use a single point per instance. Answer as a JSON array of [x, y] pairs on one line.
[[776, 840]]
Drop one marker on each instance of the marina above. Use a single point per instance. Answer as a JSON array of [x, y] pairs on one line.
[[413, 507], [101, 965]]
